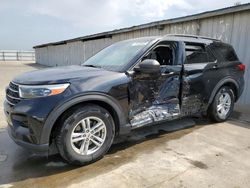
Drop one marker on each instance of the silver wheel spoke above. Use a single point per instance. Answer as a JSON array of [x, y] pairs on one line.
[[226, 98], [221, 99], [87, 123], [219, 107], [84, 147], [95, 142], [77, 134], [98, 127], [223, 110], [76, 137], [83, 125], [97, 138]]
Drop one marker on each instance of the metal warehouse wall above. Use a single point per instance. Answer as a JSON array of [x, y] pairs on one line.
[[233, 28]]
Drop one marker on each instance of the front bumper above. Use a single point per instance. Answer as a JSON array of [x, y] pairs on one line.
[[17, 134], [26, 122]]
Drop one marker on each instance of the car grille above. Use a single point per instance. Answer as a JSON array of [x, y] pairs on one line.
[[12, 94]]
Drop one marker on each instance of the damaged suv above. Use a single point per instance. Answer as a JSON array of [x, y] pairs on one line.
[[79, 110]]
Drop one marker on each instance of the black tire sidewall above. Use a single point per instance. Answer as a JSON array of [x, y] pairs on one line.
[[65, 147]]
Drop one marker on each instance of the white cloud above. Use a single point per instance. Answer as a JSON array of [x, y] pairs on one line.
[[150, 8], [79, 13], [114, 13], [106, 13]]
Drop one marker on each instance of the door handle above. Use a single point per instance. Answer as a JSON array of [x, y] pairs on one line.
[[215, 67], [167, 73]]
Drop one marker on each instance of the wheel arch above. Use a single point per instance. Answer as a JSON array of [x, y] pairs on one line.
[[103, 100], [225, 82]]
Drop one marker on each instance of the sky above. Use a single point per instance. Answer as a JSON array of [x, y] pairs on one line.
[[26, 23]]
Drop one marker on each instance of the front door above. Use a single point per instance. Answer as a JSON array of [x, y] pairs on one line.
[[155, 98]]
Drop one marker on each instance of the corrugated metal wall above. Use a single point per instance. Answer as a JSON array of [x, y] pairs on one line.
[[233, 28]]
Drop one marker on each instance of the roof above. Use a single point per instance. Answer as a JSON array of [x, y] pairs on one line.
[[190, 38], [108, 34]]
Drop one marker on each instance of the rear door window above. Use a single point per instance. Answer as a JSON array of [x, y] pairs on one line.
[[195, 53], [198, 53]]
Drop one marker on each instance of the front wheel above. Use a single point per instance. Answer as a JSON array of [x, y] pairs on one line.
[[223, 104], [85, 135]]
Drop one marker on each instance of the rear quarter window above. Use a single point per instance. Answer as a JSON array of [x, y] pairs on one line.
[[224, 52]]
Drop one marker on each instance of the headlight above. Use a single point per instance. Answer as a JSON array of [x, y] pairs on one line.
[[26, 91]]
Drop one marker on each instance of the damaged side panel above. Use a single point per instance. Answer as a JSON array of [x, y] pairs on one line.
[[155, 98], [156, 113]]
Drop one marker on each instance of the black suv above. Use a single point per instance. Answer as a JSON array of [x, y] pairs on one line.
[[130, 84]]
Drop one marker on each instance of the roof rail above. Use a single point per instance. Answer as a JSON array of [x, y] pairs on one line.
[[192, 36]]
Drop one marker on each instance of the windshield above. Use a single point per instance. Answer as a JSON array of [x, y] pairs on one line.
[[118, 55]]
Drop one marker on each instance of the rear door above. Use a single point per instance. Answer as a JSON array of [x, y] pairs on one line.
[[200, 68], [155, 98]]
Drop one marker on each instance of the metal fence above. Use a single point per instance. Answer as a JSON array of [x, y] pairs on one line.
[[11, 55]]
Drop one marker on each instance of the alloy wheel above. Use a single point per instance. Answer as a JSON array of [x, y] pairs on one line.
[[223, 105], [88, 135]]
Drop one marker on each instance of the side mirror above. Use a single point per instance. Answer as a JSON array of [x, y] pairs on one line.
[[149, 66]]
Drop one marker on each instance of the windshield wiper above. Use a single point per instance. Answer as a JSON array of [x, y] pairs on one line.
[[95, 66]]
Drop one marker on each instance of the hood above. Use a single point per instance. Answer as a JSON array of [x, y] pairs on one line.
[[61, 74]]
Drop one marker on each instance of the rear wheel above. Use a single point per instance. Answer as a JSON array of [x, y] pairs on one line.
[[86, 135], [222, 105]]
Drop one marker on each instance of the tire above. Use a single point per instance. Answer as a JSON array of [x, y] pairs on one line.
[[77, 140], [217, 111]]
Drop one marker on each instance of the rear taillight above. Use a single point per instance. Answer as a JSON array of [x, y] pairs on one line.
[[242, 67]]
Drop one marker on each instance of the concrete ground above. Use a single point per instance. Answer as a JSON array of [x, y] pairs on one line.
[[184, 153]]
